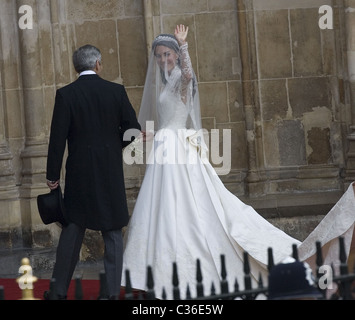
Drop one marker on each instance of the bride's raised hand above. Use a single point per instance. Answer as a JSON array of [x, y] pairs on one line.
[[181, 34]]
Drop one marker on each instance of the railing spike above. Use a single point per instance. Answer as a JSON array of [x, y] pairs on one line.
[[198, 271], [295, 252], [246, 263], [78, 289], [345, 286], [188, 292], [176, 290], [53, 290], [247, 278], [128, 289], [270, 259], [319, 257], [103, 294], [342, 254], [260, 282], [213, 289], [2, 293], [223, 267], [199, 285], [150, 295], [236, 285], [224, 282], [163, 294]]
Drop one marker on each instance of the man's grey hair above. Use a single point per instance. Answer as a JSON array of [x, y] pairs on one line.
[[85, 58]]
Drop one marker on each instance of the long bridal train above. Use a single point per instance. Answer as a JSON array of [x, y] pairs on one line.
[[184, 213]]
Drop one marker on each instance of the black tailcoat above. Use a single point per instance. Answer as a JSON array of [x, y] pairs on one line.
[[91, 115]]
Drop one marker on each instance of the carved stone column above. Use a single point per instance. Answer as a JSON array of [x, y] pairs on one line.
[[35, 150], [38, 91], [148, 23], [7, 83], [249, 86], [10, 104], [349, 8], [7, 177]]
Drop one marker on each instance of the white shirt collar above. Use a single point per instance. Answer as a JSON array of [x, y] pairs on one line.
[[84, 73]]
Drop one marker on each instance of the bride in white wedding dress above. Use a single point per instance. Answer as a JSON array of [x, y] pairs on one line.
[[184, 212]]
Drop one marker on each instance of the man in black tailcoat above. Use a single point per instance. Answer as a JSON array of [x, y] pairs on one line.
[[91, 115]]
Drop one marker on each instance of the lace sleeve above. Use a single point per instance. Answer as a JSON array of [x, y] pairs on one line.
[[186, 70], [186, 66]]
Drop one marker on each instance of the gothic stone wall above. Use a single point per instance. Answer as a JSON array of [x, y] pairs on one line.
[[266, 71]]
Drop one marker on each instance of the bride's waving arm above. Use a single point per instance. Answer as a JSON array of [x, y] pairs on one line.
[[186, 67]]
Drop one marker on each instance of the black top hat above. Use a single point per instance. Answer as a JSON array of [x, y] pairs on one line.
[[292, 280], [51, 207]]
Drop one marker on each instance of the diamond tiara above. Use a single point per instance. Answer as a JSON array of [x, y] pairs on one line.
[[165, 38]]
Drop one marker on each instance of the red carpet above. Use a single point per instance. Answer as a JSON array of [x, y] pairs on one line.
[[12, 291]]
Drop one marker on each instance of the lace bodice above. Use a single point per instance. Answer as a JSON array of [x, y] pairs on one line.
[[175, 98], [172, 112]]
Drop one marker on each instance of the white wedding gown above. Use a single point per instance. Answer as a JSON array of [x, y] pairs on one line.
[[184, 213]]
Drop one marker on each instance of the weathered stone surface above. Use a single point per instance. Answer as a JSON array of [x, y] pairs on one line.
[[318, 140], [274, 100], [306, 39], [183, 6], [214, 103], [132, 51], [273, 46], [217, 46], [103, 35], [95, 9], [235, 101], [308, 93], [288, 4], [291, 143]]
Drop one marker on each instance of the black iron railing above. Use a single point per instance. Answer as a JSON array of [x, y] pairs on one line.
[[344, 281]]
